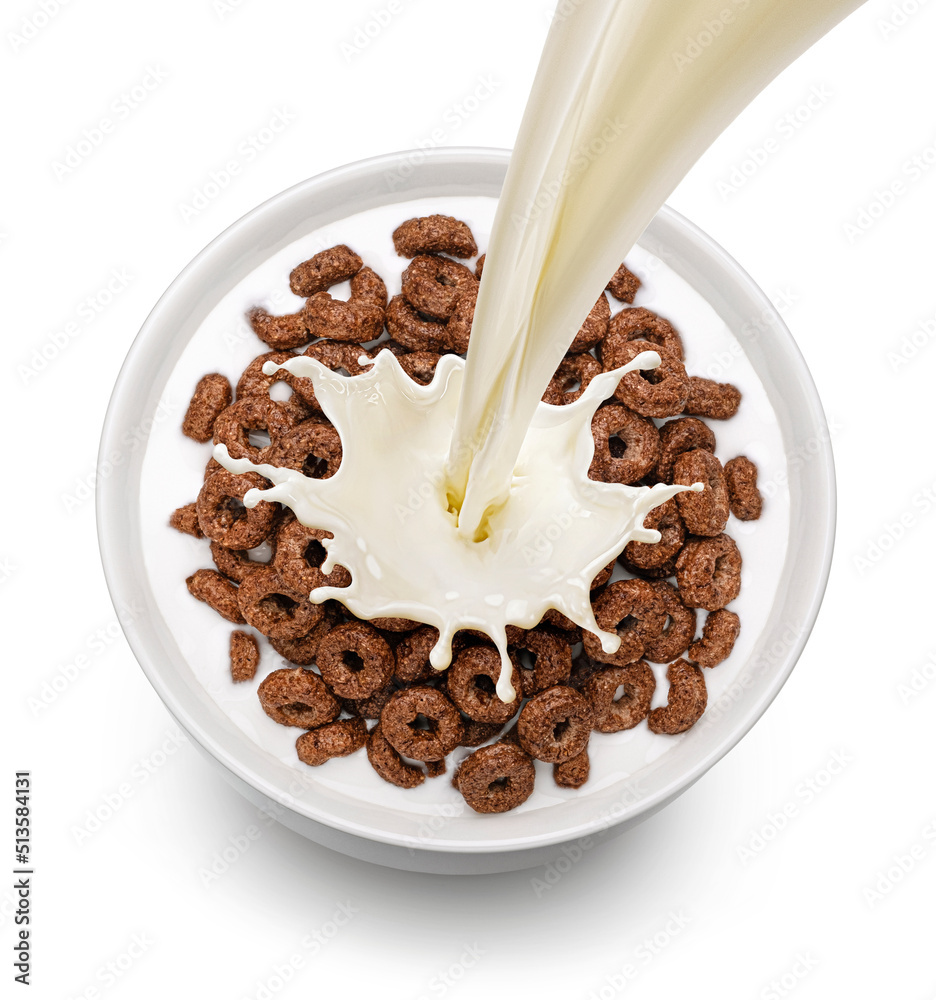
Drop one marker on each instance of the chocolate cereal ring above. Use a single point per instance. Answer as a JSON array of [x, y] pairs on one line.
[[359, 318], [302, 650], [471, 680], [434, 234], [282, 333], [744, 497], [326, 268], [594, 328], [235, 564], [571, 379], [261, 415], [273, 608], [312, 448], [643, 325], [299, 556], [624, 285], [458, 328], [217, 592], [634, 610], [708, 572], [496, 778], [413, 331], [389, 764], [572, 773], [335, 739], [400, 723], [719, 633], [660, 392], [355, 660], [679, 630], [433, 285], [704, 513], [244, 655], [685, 702], [412, 655], [420, 365], [292, 696], [641, 556], [555, 724], [614, 714], [211, 397], [255, 382], [548, 661], [679, 436], [341, 356], [716, 400], [222, 515], [627, 445]]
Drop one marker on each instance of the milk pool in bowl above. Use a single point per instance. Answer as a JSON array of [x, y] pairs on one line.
[[731, 333]]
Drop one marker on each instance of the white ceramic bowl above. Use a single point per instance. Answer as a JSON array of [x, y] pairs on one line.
[[445, 838]]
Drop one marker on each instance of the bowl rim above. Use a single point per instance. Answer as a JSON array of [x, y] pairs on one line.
[[112, 506]]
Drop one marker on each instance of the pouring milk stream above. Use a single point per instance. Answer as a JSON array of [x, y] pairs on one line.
[[466, 503]]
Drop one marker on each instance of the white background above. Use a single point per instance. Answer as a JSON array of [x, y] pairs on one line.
[[834, 898]]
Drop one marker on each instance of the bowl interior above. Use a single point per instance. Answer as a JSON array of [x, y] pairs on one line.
[[144, 408]]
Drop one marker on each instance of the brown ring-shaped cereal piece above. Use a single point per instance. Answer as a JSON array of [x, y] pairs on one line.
[[716, 400], [624, 285], [658, 392], [639, 324], [708, 572], [744, 497], [613, 715], [413, 331], [355, 660], [252, 413], [406, 708], [571, 379], [302, 650], [719, 633], [281, 333], [312, 448], [704, 513], [340, 356], [235, 564], [328, 267], [222, 515], [634, 610], [217, 592], [299, 556], [551, 658], [412, 655], [495, 779], [678, 436], [273, 608], [255, 382], [244, 655], [359, 318], [434, 234], [335, 739], [458, 328], [292, 696], [679, 630], [654, 555], [433, 285], [420, 365], [471, 680], [555, 724], [627, 445], [211, 398], [389, 764], [593, 330], [685, 701], [572, 773]]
